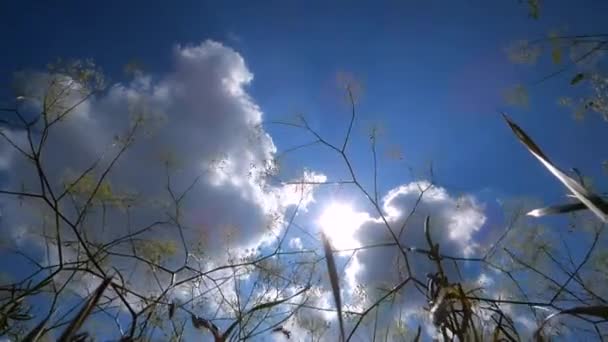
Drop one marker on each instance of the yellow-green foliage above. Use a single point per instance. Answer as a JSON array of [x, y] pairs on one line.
[[156, 250], [86, 186], [517, 96]]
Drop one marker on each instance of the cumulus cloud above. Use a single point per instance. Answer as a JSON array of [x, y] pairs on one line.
[[199, 139], [484, 280], [454, 221], [200, 136], [198, 118], [295, 243], [300, 191], [369, 272], [5, 156]]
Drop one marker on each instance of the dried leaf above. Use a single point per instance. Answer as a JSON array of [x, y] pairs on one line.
[[592, 201], [418, 333], [534, 8], [442, 305], [599, 311], [171, 310], [517, 96], [82, 337], [334, 280], [200, 323], [84, 312], [522, 52], [576, 79], [557, 209], [133, 68], [283, 331], [36, 333], [556, 55], [20, 317]]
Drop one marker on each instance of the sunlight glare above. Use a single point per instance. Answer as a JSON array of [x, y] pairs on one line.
[[340, 222]]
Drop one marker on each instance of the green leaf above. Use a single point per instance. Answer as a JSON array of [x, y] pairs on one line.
[[576, 79]]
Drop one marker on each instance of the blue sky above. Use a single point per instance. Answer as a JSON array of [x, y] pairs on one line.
[[433, 71], [433, 74]]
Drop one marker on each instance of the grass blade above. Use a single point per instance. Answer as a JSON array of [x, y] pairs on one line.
[[557, 209], [593, 202], [418, 333], [200, 323], [84, 312], [599, 311], [335, 281], [36, 333], [171, 310]]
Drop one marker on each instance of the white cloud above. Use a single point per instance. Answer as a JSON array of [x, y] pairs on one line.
[[454, 221], [200, 120], [5, 156], [300, 191], [210, 126], [200, 126], [463, 215], [8, 152], [485, 281], [296, 243], [340, 223]]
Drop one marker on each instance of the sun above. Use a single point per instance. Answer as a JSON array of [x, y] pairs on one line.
[[339, 222]]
